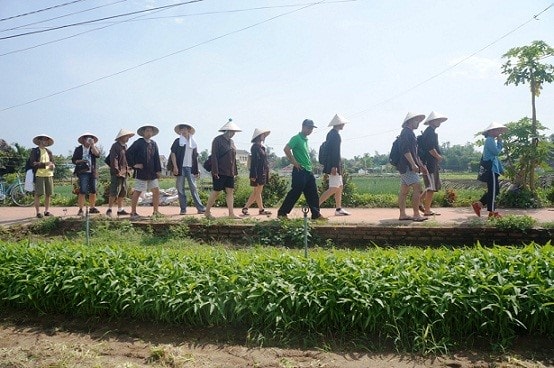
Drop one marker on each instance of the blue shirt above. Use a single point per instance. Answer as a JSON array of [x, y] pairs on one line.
[[491, 150]]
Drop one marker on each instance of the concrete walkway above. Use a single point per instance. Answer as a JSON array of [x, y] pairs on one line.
[[368, 216]]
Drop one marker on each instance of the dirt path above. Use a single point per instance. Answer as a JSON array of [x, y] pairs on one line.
[[32, 341]]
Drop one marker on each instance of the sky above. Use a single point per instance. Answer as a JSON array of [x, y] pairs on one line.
[[266, 64]]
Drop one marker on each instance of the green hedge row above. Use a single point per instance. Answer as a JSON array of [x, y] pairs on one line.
[[420, 299]]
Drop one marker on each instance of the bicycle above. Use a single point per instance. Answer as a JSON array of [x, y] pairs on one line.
[[17, 193]]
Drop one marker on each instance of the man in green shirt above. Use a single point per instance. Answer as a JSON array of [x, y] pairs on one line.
[[303, 180]]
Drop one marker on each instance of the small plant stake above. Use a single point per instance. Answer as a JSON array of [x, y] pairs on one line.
[[305, 210]]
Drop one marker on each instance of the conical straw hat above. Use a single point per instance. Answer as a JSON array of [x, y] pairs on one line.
[[434, 116], [338, 120], [258, 132], [123, 133], [230, 126], [413, 116]]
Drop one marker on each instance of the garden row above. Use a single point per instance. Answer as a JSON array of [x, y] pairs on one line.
[[425, 300]]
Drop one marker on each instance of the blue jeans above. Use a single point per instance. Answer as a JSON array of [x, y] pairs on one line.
[[303, 182], [186, 173]]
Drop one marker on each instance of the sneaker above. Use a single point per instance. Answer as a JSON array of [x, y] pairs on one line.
[[122, 213], [320, 218], [93, 210], [494, 214], [476, 208], [264, 212], [46, 213], [39, 215], [135, 216], [80, 213], [109, 212], [245, 211], [342, 212]]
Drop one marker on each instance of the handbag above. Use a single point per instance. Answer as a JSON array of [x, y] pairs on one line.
[[82, 167], [207, 165], [29, 185], [485, 170]]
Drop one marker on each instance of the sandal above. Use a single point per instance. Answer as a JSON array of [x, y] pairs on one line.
[[420, 219], [264, 212], [408, 218], [431, 214], [245, 211]]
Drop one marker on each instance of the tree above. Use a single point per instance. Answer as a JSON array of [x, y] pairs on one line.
[[524, 66]]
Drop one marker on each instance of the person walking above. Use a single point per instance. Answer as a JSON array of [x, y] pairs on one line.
[[303, 180], [42, 163], [184, 157], [144, 157], [332, 167], [259, 171], [119, 171], [84, 158], [224, 168], [430, 155], [410, 166], [491, 150]]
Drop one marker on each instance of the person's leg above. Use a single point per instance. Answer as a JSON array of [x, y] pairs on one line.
[[48, 191], [83, 191], [310, 192], [402, 196], [427, 200], [493, 195], [134, 201], [180, 184], [416, 188], [92, 194], [327, 194], [229, 199], [194, 190], [37, 204], [211, 201], [39, 191], [251, 199], [156, 199], [258, 196], [297, 186]]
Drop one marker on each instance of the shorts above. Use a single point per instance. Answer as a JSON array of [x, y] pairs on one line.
[[87, 183], [335, 181], [409, 178], [145, 185], [223, 182], [44, 185], [118, 186], [432, 182]]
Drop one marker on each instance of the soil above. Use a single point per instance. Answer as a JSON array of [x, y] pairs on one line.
[[28, 340]]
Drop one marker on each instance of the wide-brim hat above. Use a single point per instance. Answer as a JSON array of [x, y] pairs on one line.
[[178, 127], [123, 133], [87, 134], [258, 132], [140, 130], [50, 139], [495, 125], [338, 120], [413, 117], [230, 126], [434, 116]]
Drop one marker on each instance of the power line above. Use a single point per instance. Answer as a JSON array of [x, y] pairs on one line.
[[163, 57], [137, 18], [41, 10], [101, 19], [535, 17], [61, 16]]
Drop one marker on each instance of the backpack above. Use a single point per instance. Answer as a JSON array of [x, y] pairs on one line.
[[169, 164], [322, 155], [208, 164], [394, 156], [108, 160], [421, 151]]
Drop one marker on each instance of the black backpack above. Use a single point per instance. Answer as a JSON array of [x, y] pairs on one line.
[[322, 155], [108, 160], [394, 156]]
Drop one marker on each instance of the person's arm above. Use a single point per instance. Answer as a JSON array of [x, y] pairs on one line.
[[290, 157]]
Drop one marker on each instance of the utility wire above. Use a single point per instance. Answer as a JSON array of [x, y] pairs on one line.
[[101, 19], [535, 17], [41, 10], [61, 16], [139, 18], [163, 57]]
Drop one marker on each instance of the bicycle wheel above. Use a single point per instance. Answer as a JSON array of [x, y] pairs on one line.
[[21, 197]]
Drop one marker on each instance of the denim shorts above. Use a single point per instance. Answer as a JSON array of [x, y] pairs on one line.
[[87, 183], [409, 178]]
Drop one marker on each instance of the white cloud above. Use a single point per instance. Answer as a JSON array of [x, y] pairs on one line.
[[476, 67]]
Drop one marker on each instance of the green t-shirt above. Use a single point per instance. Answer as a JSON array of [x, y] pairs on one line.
[[300, 151]]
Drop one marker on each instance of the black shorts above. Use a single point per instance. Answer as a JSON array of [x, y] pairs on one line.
[[223, 182]]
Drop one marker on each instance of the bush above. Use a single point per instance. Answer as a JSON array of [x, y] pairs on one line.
[[519, 198]]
